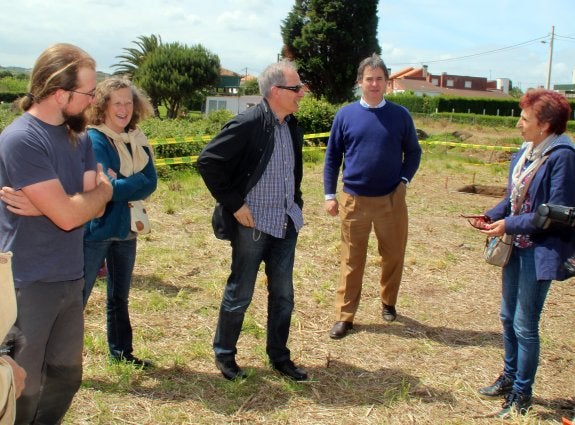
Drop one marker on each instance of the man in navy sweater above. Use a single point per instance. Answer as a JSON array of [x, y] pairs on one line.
[[376, 141]]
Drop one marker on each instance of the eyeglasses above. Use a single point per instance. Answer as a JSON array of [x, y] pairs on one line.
[[92, 94], [296, 89]]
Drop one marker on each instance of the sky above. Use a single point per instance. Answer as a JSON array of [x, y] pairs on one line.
[[490, 39]]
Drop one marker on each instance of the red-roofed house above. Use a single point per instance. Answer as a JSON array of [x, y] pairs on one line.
[[420, 82]]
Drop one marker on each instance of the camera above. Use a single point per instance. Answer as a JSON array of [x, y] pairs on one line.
[[547, 214]]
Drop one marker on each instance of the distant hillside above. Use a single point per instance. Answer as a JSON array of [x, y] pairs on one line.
[[15, 69], [101, 75], [18, 70]]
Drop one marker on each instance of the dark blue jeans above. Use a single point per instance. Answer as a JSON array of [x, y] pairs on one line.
[[249, 248], [120, 258], [523, 297]]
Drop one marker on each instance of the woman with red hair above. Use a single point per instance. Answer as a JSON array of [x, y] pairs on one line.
[[543, 171]]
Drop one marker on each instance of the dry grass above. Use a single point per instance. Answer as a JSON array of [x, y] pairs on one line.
[[422, 369]]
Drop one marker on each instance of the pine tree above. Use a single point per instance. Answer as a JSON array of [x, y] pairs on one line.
[[327, 39]]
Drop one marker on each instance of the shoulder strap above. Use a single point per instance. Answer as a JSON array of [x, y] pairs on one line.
[[523, 193]]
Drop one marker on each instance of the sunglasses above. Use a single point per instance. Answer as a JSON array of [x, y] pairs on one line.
[[296, 89]]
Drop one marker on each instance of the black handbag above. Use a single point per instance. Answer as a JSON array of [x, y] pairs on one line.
[[223, 222]]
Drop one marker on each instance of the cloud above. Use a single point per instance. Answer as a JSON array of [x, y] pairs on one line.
[[237, 20], [246, 33]]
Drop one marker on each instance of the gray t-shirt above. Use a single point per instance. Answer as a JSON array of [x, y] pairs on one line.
[[32, 151]]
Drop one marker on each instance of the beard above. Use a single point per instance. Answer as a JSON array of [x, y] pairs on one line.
[[75, 123]]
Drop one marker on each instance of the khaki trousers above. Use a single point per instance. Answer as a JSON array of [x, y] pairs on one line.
[[388, 215]]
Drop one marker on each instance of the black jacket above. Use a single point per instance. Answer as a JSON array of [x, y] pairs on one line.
[[233, 161]]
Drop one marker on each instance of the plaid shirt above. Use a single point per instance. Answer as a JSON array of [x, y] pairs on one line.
[[271, 200]]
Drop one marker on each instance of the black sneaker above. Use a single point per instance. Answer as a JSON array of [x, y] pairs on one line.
[[230, 369], [515, 404], [388, 313], [502, 386]]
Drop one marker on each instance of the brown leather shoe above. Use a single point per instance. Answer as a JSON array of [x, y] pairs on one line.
[[340, 329]]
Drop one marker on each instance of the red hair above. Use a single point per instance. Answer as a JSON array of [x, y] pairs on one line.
[[548, 107]]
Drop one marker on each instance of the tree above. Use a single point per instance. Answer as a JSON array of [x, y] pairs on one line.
[[328, 39], [250, 87], [11, 84], [134, 57], [173, 72], [516, 92]]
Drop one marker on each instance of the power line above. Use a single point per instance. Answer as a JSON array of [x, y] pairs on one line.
[[475, 54], [565, 38]]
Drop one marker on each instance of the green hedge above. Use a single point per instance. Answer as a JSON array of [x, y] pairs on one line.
[[314, 115], [480, 106], [10, 97], [484, 120], [194, 125]]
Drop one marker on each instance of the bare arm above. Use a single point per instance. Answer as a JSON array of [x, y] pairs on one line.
[[17, 202], [69, 212]]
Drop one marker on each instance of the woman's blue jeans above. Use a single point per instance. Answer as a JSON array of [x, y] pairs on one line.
[[523, 297], [249, 248], [120, 258]]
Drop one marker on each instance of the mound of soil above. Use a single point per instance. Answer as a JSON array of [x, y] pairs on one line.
[[495, 191]]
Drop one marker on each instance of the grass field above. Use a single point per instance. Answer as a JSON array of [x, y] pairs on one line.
[[424, 368]]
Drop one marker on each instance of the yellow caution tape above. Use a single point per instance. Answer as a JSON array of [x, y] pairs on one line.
[[315, 135], [197, 139], [176, 140], [471, 146], [159, 162], [192, 159]]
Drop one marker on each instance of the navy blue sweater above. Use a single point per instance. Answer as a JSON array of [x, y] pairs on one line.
[[378, 147]]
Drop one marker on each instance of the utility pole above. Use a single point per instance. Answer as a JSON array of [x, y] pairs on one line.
[[550, 57]]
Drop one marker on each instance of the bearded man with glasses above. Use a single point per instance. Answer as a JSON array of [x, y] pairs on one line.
[[51, 186]]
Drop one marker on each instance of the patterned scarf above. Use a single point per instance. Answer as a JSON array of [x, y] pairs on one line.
[[523, 172]]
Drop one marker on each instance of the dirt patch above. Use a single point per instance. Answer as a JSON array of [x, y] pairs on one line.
[[495, 191]]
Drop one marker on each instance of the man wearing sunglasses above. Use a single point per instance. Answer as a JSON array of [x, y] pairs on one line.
[[376, 142], [253, 168]]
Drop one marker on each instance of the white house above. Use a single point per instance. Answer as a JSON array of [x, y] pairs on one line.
[[234, 104]]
